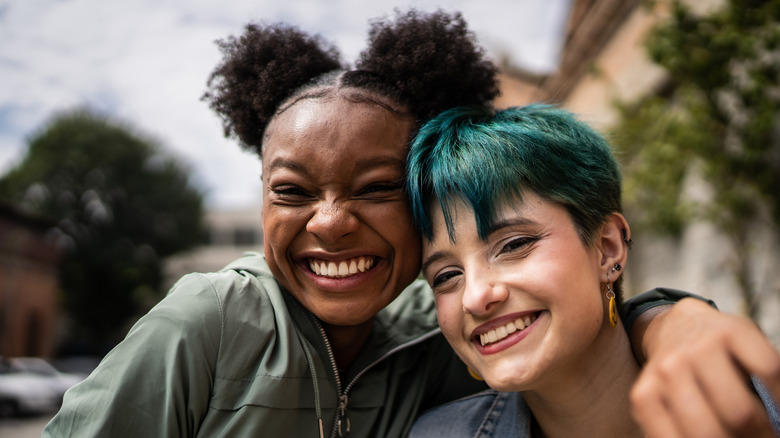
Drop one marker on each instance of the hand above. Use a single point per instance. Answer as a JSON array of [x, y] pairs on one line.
[[695, 381]]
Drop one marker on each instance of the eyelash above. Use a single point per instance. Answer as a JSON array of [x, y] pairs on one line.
[[379, 188], [289, 191], [518, 243], [295, 191], [439, 279], [513, 245]]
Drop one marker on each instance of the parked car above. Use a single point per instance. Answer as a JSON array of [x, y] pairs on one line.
[[31, 385]]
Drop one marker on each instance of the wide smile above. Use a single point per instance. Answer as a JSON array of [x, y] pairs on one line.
[[341, 268], [500, 333]]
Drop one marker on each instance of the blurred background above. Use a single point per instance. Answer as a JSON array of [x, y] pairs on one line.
[[115, 179]]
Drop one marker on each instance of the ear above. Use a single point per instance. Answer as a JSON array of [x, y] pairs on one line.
[[613, 243]]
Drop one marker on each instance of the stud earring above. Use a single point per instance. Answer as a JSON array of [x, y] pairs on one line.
[[629, 241]]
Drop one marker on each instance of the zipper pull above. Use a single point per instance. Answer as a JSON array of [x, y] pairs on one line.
[[342, 415]]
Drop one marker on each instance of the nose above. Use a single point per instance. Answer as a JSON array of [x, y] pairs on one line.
[[332, 221], [483, 293]]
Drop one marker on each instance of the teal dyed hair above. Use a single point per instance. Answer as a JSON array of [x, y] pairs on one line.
[[484, 157]]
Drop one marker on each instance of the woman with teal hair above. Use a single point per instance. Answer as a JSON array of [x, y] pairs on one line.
[[524, 248]]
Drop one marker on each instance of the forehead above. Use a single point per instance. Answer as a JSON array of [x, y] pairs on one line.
[[333, 125]]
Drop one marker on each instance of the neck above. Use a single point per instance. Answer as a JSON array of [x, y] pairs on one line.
[[589, 398], [347, 341]]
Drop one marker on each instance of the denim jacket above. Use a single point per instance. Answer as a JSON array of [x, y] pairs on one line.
[[505, 414]]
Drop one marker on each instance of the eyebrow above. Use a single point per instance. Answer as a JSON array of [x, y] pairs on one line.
[[518, 221], [435, 257], [287, 163], [370, 163]]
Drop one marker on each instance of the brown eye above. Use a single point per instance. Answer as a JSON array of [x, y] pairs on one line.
[[443, 277], [518, 243]]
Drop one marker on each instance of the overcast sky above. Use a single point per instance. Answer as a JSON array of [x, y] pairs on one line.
[[146, 62]]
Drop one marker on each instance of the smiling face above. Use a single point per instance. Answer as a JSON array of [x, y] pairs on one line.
[[338, 230], [523, 305]]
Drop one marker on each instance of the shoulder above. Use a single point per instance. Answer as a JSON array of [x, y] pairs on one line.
[[486, 414], [247, 279], [202, 308]]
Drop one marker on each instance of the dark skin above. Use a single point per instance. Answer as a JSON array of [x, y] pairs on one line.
[[333, 197]]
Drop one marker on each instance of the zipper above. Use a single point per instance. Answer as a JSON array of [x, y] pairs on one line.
[[341, 415], [341, 412], [341, 425]]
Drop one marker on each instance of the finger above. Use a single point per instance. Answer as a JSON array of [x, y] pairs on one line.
[[686, 402], [732, 400], [758, 357], [648, 408], [691, 410]]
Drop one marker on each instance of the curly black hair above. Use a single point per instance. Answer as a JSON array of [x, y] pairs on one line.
[[425, 62]]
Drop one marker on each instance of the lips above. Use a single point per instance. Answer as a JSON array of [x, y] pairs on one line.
[[501, 332], [341, 268]]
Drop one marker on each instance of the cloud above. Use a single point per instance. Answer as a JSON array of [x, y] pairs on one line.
[[146, 62]]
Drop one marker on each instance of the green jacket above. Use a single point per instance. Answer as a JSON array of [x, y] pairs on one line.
[[231, 354]]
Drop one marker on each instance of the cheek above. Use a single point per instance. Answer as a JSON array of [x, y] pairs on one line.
[[280, 225], [279, 230], [449, 313], [395, 225]]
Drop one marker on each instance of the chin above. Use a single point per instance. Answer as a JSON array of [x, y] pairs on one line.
[[507, 380], [347, 316]]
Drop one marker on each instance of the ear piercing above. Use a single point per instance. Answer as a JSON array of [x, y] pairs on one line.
[[610, 295]]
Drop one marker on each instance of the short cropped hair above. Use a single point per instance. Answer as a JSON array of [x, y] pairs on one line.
[[484, 157]]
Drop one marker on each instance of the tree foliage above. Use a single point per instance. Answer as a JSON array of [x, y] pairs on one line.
[[120, 207], [718, 115]]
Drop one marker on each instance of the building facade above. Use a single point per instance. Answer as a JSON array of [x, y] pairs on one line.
[[603, 60], [29, 285]]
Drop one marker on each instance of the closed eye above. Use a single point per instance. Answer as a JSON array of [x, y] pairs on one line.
[[380, 189], [290, 193]]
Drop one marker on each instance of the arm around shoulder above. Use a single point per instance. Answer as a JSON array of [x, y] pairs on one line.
[[696, 378]]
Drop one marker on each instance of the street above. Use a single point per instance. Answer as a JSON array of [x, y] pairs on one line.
[[23, 427]]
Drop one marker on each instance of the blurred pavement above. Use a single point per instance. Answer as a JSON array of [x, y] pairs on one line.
[[25, 427]]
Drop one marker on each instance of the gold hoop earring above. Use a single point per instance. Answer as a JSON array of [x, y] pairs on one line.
[[474, 375], [613, 313]]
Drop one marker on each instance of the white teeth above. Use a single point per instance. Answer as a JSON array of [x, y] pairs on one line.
[[343, 268], [502, 332]]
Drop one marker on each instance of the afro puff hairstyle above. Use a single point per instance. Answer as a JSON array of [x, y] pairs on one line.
[[426, 62]]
